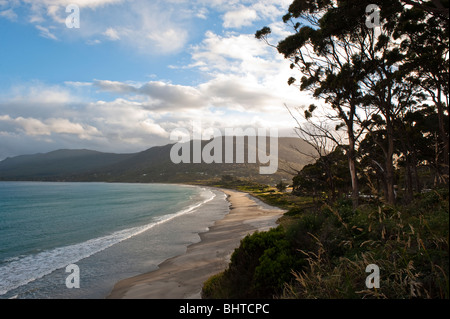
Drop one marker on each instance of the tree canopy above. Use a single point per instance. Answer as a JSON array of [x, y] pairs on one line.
[[381, 68]]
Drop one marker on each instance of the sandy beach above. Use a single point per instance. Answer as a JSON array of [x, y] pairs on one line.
[[182, 277]]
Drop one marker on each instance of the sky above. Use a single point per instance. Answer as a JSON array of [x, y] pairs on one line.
[[135, 70]]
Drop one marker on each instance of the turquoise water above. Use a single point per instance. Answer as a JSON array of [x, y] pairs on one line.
[[110, 231]]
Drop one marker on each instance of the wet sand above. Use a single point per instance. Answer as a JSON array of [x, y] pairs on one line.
[[182, 277]]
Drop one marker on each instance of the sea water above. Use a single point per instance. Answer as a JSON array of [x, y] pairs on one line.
[[110, 231]]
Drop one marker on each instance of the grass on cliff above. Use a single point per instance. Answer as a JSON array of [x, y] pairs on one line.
[[322, 250]]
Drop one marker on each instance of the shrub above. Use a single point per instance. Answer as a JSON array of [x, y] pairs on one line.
[[409, 244], [323, 253], [258, 268], [215, 288]]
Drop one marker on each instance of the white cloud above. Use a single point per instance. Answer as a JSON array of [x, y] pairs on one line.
[[115, 86], [147, 27], [247, 12], [65, 126], [112, 34], [153, 128], [168, 40], [158, 95], [8, 14], [246, 74], [271, 9], [173, 97], [80, 3], [37, 127], [39, 94], [46, 33], [238, 18], [141, 116], [77, 83], [246, 94], [240, 93], [227, 53], [120, 125], [123, 121], [241, 82], [55, 12], [202, 13], [31, 126], [39, 11], [37, 100]]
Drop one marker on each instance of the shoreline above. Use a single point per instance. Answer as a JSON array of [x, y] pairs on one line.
[[182, 277]]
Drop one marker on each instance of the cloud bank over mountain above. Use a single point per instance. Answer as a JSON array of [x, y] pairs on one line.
[[136, 70]]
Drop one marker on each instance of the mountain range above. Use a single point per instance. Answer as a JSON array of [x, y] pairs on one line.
[[151, 165]]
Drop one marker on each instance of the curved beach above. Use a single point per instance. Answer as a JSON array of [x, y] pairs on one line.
[[182, 277]]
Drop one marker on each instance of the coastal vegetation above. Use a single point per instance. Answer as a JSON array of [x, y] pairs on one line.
[[366, 182], [321, 249], [377, 190]]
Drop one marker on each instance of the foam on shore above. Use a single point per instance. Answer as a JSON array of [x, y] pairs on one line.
[[183, 276]]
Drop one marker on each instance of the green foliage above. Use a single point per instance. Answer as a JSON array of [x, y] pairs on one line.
[[408, 243], [323, 253], [327, 177], [397, 153], [258, 269], [389, 75], [260, 34], [214, 288], [281, 186]]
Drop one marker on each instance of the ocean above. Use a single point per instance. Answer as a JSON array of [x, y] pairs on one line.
[[109, 231]]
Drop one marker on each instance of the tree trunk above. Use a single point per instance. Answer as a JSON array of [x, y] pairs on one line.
[[351, 154], [444, 139], [409, 180], [389, 162], [353, 174]]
